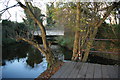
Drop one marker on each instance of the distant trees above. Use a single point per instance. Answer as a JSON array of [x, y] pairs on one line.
[[65, 17], [50, 15], [11, 29]]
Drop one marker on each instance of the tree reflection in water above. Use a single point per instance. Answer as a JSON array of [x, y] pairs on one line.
[[18, 51]]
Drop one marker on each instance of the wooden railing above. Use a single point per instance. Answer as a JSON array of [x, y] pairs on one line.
[[106, 39], [104, 52], [117, 53]]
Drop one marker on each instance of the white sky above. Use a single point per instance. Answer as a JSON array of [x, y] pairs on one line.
[[18, 11], [13, 11]]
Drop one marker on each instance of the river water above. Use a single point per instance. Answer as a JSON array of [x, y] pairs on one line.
[[23, 61]]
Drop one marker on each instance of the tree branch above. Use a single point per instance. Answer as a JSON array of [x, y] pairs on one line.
[[2, 11], [32, 43], [43, 32], [107, 13]]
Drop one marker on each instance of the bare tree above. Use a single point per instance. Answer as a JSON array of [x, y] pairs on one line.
[[97, 23], [45, 49]]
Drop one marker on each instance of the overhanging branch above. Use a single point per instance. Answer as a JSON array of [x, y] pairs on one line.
[[2, 11], [32, 43], [43, 32], [107, 13]]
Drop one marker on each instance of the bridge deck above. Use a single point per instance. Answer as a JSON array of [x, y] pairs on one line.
[[86, 70]]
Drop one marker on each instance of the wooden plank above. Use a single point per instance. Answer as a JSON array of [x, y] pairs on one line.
[[104, 72], [61, 70], [118, 71], [111, 72], [90, 71], [73, 71], [83, 70], [97, 71], [117, 68], [86, 70], [68, 70], [67, 76], [76, 69]]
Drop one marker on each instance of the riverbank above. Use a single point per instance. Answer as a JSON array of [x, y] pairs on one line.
[[50, 71]]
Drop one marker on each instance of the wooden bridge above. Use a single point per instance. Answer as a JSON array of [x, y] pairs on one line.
[[49, 32], [86, 71]]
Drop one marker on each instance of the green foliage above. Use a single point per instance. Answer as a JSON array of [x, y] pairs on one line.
[[50, 14], [7, 30], [10, 30], [117, 30], [30, 22], [107, 31], [65, 15], [66, 41]]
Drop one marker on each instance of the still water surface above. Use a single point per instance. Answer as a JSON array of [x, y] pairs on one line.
[[22, 61]]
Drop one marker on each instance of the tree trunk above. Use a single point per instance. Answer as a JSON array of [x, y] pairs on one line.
[[50, 57], [89, 44], [46, 50], [76, 46], [77, 34]]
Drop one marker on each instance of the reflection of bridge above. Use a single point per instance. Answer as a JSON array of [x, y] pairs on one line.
[[86, 70]]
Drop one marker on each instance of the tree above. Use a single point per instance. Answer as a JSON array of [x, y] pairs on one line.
[[76, 48], [46, 49], [96, 25], [89, 21], [92, 16], [65, 18]]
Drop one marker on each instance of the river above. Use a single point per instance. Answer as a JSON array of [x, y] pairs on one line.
[[23, 61]]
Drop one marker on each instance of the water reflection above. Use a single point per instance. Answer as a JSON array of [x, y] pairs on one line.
[[18, 51], [25, 61], [21, 70], [22, 61]]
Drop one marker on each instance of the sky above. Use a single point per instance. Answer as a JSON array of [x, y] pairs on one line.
[[17, 13]]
